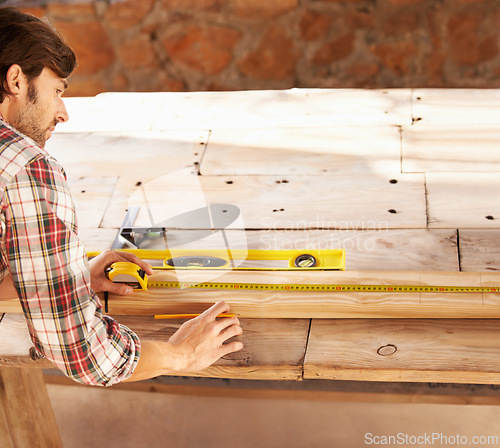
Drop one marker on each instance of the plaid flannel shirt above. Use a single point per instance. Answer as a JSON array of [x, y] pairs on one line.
[[40, 248]]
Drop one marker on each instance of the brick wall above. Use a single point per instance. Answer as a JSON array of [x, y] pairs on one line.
[[189, 45]]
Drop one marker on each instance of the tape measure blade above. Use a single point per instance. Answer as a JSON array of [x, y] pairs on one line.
[[326, 287]]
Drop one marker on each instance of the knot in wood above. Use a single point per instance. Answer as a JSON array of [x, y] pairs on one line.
[[35, 355], [387, 350]]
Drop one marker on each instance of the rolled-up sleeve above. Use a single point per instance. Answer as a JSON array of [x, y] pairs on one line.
[[50, 271]]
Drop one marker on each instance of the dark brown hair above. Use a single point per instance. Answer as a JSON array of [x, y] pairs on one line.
[[32, 44]]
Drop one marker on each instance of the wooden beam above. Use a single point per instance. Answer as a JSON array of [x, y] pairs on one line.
[[334, 391], [438, 350], [273, 348], [26, 415], [16, 348], [316, 304]]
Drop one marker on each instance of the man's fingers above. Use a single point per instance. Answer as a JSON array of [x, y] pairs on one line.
[[228, 333], [215, 310], [132, 258], [225, 322], [118, 288], [108, 257], [230, 348]]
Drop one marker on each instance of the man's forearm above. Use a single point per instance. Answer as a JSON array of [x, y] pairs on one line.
[[157, 358], [7, 289]]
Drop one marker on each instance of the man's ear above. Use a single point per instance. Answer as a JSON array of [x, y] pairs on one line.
[[16, 81]]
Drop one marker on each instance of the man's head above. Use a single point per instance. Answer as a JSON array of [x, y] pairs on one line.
[[34, 64]]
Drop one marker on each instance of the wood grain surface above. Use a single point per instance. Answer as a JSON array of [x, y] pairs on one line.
[[440, 350]]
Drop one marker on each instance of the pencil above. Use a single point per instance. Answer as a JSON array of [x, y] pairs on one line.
[[187, 316]]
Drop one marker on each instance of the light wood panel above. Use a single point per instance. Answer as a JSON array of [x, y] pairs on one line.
[[338, 150], [464, 107], [127, 153], [284, 108], [91, 196], [97, 239], [290, 202], [158, 197], [463, 200], [480, 250], [459, 351], [450, 148], [308, 304], [384, 249], [112, 112]]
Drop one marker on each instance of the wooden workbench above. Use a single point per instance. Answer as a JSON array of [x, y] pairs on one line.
[[402, 179]]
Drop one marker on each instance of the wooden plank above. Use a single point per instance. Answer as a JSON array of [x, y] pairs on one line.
[[26, 408], [383, 249], [450, 148], [455, 106], [332, 391], [91, 196], [297, 304], [285, 202], [490, 279], [127, 153], [338, 150], [273, 348], [15, 343], [112, 112], [479, 250], [14, 335], [463, 200], [97, 239], [308, 304], [284, 108], [183, 188], [441, 350]]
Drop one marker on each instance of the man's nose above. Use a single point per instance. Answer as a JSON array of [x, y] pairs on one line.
[[62, 114]]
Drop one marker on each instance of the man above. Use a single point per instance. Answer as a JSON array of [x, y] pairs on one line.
[[41, 257]]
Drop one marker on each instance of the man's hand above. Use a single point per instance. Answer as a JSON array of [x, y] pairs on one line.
[[197, 344], [98, 265], [200, 342]]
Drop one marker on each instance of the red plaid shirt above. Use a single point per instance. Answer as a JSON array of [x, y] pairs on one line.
[[40, 248]]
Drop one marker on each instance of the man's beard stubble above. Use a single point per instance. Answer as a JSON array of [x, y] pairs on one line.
[[29, 119]]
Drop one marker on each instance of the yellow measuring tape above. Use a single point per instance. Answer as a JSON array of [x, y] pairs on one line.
[[134, 276], [322, 287]]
